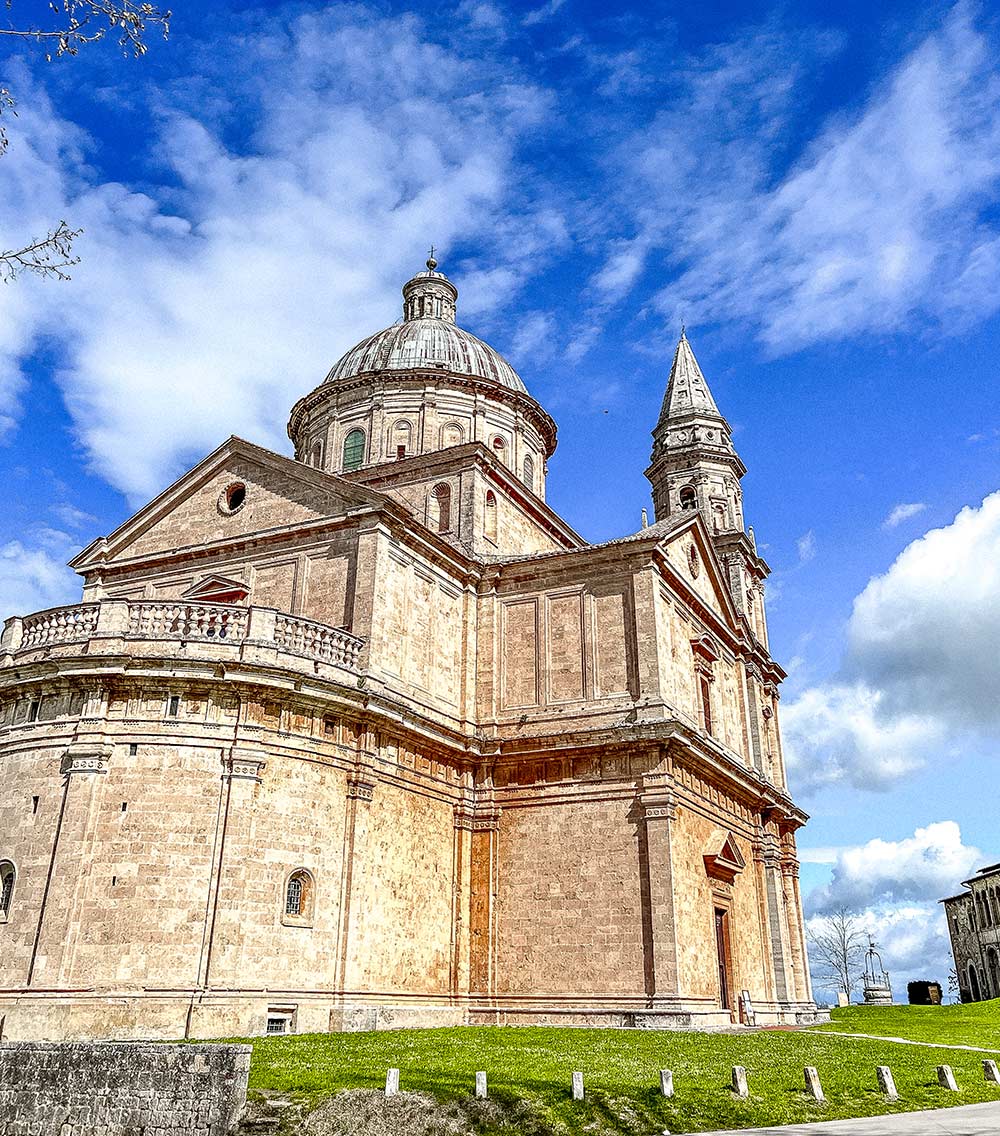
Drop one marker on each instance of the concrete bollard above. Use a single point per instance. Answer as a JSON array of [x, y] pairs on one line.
[[813, 1087], [946, 1078], [991, 1073], [740, 1086], [391, 1082], [481, 1086], [577, 1086], [886, 1083], [666, 1082]]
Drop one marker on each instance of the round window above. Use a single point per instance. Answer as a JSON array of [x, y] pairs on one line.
[[233, 498]]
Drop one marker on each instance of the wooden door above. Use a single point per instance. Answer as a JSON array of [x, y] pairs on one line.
[[722, 951]]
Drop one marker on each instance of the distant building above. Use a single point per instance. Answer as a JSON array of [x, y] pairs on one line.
[[974, 927]]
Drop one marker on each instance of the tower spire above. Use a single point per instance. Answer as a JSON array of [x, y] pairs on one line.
[[694, 464]]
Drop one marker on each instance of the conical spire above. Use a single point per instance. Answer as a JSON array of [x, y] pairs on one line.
[[694, 464], [687, 391]]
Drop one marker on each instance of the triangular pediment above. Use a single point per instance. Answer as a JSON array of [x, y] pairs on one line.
[[691, 562], [723, 859], [218, 589], [238, 491]]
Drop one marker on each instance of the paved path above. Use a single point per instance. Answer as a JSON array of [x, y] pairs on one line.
[[900, 1040], [968, 1120]]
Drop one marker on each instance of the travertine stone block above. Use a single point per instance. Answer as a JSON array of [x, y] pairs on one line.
[[577, 1086], [886, 1082], [391, 1082], [740, 1086], [946, 1078], [481, 1090], [813, 1086], [991, 1073], [667, 1082]]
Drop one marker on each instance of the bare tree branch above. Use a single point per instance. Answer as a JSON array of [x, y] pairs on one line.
[[48, 257], [80, 22], [837, 946]]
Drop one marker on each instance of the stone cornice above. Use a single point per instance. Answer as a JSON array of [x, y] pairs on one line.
[[421, 379]]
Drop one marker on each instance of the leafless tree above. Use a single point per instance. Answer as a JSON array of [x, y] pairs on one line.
[[836, 946], [71, 24]]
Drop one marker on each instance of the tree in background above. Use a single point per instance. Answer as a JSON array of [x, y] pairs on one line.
[[836, 947], [74, 24]]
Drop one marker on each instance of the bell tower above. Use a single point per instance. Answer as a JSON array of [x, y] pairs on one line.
[[694, 464]]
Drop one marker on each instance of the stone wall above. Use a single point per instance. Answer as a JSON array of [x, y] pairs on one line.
[[118, 1089]]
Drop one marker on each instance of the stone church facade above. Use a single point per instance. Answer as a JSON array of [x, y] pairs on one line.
[[371, 737], [974, 929]]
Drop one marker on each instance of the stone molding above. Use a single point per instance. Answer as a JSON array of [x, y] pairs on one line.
[[244, 767], [86, 759], [358, 789], [483, 818]]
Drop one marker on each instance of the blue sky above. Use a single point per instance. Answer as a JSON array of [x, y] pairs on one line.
[[813, 190]]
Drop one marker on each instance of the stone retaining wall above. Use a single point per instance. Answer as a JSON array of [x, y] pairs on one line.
[[121, 1089]]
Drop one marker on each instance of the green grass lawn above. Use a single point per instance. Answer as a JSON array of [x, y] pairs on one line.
[[534, 1065], [974, 1024]]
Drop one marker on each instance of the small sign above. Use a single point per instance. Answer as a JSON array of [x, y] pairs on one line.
[[747, 1013]]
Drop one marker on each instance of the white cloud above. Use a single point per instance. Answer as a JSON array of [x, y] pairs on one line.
[[806, 547], [900, 513], [208, 306], [35, 578], [919, 672], [545, 12], [928, 865], [858, 234], [892, 888]]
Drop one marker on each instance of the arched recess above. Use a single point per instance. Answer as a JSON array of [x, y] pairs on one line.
[[452, 434], [299, 898], [401, 439], [993, 971], [490, 523], [974, 984], [7, 877], [688, 498], [439, 508], [499, 446], [354, 450], [528, 472]]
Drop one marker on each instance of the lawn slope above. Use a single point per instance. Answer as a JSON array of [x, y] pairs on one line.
[[977, 1023], [529, 1071]]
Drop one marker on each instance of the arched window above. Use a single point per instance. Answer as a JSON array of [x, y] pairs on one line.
[[317, 455], [439, 508], [298, 897], [452, 434], [974, 984], [490, 527], [688, 499], [528, 474], [402, 433], [993, 967], [500, 448], [6, 888], [354, 450]]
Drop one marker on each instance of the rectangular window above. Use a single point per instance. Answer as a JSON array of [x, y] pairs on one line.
[[133, 749], [34, 805], [124, 806], [400, 452], [173, 707], [280, 1019], [706, 702], [33, 710]]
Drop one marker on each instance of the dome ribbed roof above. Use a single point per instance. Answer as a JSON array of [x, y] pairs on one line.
[[427, 344], [428, 339]]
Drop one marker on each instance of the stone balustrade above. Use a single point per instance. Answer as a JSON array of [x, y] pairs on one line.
[[175, 620]]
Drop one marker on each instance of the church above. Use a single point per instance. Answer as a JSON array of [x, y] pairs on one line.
[[371, 737]]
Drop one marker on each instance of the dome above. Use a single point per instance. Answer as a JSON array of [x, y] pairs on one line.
[[427, 344], [428, 339]]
